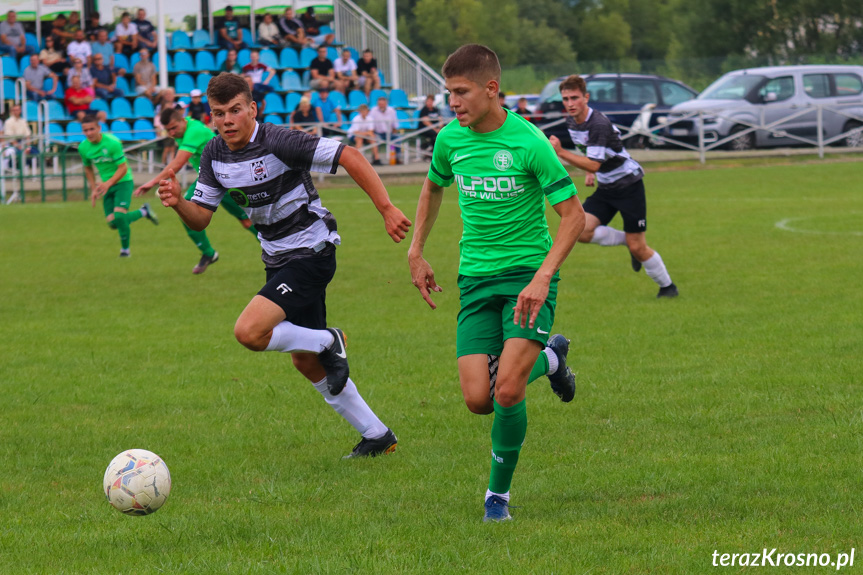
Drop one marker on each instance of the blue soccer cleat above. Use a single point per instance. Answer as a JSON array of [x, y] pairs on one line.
[[496, 509]]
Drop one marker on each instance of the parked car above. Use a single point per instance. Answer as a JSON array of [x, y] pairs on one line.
[[764, 97], [619, 96]]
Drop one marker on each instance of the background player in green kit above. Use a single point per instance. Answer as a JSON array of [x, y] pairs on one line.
[[504, 169], [106, 152], [192, 136]]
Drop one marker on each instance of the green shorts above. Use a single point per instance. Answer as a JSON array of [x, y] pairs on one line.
[[227, 202], [486, 314], [118, 196]]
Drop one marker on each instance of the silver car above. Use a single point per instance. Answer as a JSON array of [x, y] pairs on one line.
[[783, 102]]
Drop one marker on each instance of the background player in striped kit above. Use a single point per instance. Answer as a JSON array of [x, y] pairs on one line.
[[265, 168]]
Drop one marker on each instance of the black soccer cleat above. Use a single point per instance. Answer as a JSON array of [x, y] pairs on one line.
[[334, 360], [636, 265], [374, 447], [562, 380], [205, 262], [125, 253], [150, 214], [668, 291]]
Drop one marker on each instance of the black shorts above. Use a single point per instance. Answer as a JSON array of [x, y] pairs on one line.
[[628, 200], [300, 289]]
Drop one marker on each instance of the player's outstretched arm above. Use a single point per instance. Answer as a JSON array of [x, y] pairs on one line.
[[428, 209], [582, 162], [362, 172], [171, 195], [180, 158]]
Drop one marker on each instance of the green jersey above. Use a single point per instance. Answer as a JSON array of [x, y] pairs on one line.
[[194, 139], [107, 155], [503, 178]]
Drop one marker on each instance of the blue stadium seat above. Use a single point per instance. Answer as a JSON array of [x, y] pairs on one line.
[[291, 81], [31, 111], [32, 41], [103, 126], [306, 56], [355, 54], [8, 88], [120, 108], [249, 39], [202, 81], [288, 59], [355, 98], [201, 39], [74, 132], [292, 100], [274, 119], [100, 105], [274, 104], [143, 130], [180, 40], [183, 62], [269, 58], [56, 110], [221, 55], [10, 67], [60, 93], [243, 57], [398, 99], [184, 83], [123, 86], [143, 108], [405, 120], [305, 80], [326, 29], [122, 129], [375, 95], [338, 98], [23, 62], [204, 61], [56, 133], [383, 79], [121, 61], [333, 54]]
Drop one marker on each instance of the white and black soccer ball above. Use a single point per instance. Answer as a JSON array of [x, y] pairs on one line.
[[137, 482]]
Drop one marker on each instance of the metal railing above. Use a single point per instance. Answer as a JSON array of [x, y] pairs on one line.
[[356, 28]]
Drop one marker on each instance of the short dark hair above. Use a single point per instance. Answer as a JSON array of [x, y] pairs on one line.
[[574, 82], [475, 62], [124, 14], [231, 8], [169, 114], [227, 86], [90, 119]]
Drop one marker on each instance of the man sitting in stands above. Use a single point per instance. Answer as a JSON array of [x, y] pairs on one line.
[[292, 30], [322, 72], [34, 78], [104, 79], [312, 27]]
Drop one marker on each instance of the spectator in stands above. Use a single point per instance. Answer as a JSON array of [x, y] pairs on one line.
[[104, 79], [34, 78], [230, 64], [104, 47], [292, 30], [255, 70], [17, 126], [13, 41], [328, 111], [522, 110], [268, 33], [52, 58], [73, 25], [145, 75], [362, 131], [312, 26], [304, 117], [501, 99], [146, 31], [167, 99], [79, 48], [429, 118], [126, 35], [323, 74], [58, 32], [346, 72], [385, 121], [197, 108], [367, 69], [80, 71], [229, 33], [91, 30], [78, 99]]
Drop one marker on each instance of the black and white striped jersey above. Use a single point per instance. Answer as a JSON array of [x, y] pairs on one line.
[[599, 140], [270, 179]]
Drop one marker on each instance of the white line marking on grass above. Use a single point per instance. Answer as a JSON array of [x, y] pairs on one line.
[[786, 225]]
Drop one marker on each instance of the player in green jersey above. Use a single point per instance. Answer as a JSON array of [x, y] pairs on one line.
[[106, 152], [504, 169], [191, 136]]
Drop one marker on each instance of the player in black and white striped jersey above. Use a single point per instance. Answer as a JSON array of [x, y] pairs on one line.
[[621, 185], [266, 169]]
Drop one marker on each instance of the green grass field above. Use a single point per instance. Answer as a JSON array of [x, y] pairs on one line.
[[729, 419]]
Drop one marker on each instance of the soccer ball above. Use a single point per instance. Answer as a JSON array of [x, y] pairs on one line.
[[137, 482]]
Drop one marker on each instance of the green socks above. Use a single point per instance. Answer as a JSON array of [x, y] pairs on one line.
[[507, 435], [201, 240], [121, 224], [540, 368]]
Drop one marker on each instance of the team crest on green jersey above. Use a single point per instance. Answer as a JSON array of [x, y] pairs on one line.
[[503, 160]]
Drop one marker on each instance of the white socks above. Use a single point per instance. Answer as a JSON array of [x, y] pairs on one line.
[[504, 496], [552, 360], [655, 268], [288, 337], [606, 236], [350, 405]]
